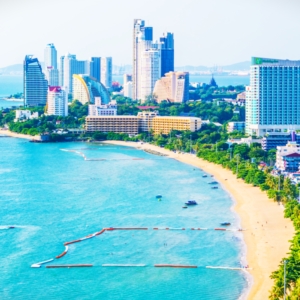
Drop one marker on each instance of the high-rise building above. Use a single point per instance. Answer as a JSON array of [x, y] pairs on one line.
[[96, 68], [142, 38], [167, 53], [70, 66], [106, 72], [88, 90], [151, 60], [34, 82], [273, 97], [173, 87], [57, 101], [50, 65], [126, 78], [50, 59]]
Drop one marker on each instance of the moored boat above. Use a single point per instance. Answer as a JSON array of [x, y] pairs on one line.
[[191, 202], [225, 224]]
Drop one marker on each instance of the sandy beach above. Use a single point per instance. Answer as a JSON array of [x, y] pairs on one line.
[[267, 231], [19, 135]]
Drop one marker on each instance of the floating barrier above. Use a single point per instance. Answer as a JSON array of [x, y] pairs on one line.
[[64, 253], [175, 266], [123, 265], [130, 228], [70, 266], [228, 268], [38, 265]]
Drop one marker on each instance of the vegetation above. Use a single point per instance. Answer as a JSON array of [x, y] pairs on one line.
[[207, 92]]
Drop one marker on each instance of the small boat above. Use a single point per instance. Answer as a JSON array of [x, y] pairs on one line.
[[158, 196], [191, 202], [213, 182], [225, 224], [11, 227], [184, 206], [214, 188], [204, 175]]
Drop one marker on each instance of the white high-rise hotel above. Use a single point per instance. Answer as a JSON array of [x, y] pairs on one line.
[[273, 97], [146, 61]]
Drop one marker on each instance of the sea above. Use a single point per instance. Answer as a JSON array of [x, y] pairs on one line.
[[14, 84], [51, 195]]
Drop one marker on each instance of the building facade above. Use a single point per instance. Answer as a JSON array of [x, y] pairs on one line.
[[173, 87], [235, 126], [106, 72], [50, 65], [88, 90], [146, 120], [99, 109], [288, 157], [57, 102], [118, 124], [273, 97], [127, 89], [167, 53], [164, 125], [70, 66], [95, 70], [34, 83]]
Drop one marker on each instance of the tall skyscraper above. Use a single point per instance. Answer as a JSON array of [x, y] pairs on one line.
[[167, 53], [142, 39], [70, 66], [50, 59], [95, 70], [34, 83], [106, 72], [50, 65], [273, 97]]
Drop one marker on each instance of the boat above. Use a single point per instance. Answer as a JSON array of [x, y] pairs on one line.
[[158, 196], [214, 188], [191, 202], [225, 224], [204, 175], [184, 206], [11, 227], [213, 182]]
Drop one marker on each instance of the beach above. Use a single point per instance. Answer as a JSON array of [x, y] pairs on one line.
[[20, 135], [267, 232]]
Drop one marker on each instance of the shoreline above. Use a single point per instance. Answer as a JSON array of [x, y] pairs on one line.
[[267, 232], [20, 135]]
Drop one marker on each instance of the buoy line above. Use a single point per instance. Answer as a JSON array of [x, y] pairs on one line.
[[38, 265]]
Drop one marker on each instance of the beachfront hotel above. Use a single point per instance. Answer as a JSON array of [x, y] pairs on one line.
[[164, 125], [273, 97], [118, 124]]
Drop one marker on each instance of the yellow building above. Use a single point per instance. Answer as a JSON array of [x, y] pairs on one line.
[[118, 124], [164, 125]]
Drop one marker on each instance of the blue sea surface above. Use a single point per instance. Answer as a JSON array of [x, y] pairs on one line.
[[53, 196]]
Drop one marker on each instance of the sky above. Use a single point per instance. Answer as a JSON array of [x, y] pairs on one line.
[[206, 32]]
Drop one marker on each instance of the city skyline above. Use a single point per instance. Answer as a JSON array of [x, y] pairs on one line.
[[206, 33]]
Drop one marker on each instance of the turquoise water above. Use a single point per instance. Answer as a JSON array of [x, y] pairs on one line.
[[53, 196]]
